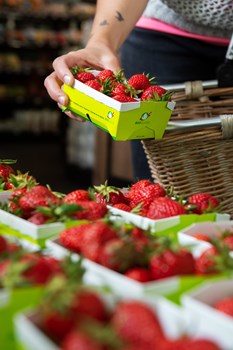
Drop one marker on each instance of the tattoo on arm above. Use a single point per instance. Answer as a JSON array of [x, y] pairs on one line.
[[119, 16], [104, 23]]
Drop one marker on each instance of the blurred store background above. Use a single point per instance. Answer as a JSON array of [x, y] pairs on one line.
[[58, 151]]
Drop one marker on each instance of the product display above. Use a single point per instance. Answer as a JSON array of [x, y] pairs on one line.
[[142, 266]]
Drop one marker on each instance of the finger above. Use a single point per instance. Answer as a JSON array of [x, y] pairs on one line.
[[53, 86]]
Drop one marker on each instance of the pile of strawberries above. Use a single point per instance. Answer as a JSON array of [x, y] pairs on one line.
[[76, 317], [139, 255], [137, 87], [21, 268], [11, 178], [153, 201], [40, 205]]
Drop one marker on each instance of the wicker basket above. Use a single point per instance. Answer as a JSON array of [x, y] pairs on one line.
[[198, 158]]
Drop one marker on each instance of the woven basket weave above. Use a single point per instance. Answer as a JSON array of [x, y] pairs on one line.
[[198, 159]]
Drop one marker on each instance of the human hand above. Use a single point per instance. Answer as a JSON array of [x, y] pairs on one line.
[[96, 56]]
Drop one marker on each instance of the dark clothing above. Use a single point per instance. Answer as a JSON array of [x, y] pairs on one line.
[[170, 59]]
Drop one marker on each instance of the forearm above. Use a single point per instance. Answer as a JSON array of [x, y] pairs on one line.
[[114, 20]]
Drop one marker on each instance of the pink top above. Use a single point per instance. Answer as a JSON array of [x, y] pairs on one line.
[[153, 24]]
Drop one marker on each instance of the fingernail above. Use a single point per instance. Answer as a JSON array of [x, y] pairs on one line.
[[67, 79], [61, 100]]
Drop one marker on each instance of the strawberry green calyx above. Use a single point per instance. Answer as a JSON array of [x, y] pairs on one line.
[[105, 190]]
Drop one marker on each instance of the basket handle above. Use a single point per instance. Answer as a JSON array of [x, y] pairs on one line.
[[224, 120]]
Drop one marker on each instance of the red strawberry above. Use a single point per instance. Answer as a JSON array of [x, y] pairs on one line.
[[124, 98], [145, 195], [204, 202], [88, 304], [5, 168], [202, 344], [94, 84], [37, 196], [38, 218], [109, 194], [3, 245], [105, 74], [119, 89], [201, 236], [140, 184], [30, 268], [208, 262], [77, 195], [40, 268], [118, 255], [84, 76], [71, 237], [228, 240], [164, 207], [153, 92], [96, 235], [139, 274], [187, 343], [57, 324], [225, 305], [78, 340], [129, 317], [90, 210], [139, 81], [122, 206], [171, 263]]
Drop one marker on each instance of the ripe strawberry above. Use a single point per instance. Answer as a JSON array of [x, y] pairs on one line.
[[145, 195], [32, 269], [105, 74], [5, 168], [88, 304], [187, 343], [139, 81], [201, 236], [90, 210], [204, 202], [35, 197], [139, 274], [153, 93], [57, 324], [130, 316], [3, 245], [124, 98], [71, 237], [96, 235], [225, 305], [84, 76], [118, 255], [141, 184], [171, 263], [164, 207], [119, 89], [208, 262], [108, 194], [38, 218], [77, 339], [77, 196], [228, 240], [202, 344], [122, 206], [94, 84]]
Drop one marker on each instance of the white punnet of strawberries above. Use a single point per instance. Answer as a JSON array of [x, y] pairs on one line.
[[138, 87]]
